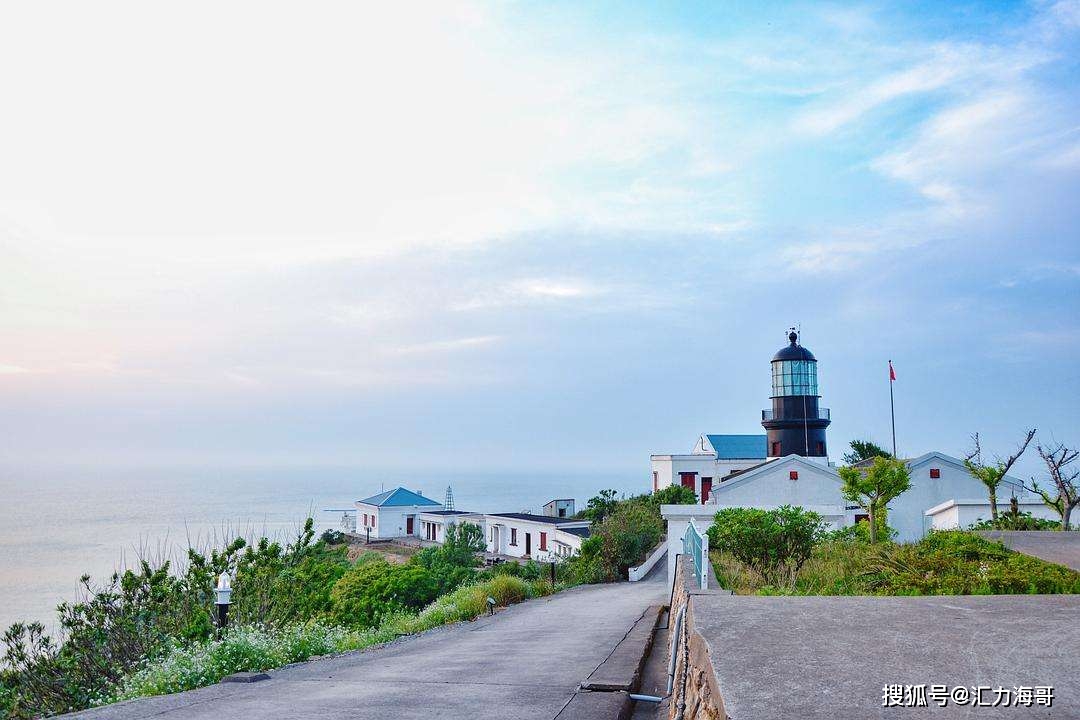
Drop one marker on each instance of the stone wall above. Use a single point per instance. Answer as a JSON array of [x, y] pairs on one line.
[[695, 694]]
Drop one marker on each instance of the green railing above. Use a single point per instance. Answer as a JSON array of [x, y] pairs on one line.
[[696, 546]]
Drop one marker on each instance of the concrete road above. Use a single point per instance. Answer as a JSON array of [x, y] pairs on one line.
[[1053, 546], [830, 658], [525, 662]]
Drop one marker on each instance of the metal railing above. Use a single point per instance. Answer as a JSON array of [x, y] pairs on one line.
[[696, 546], [820, 414]]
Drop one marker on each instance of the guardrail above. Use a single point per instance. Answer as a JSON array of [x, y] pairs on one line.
[[820, 414], [696, 546]]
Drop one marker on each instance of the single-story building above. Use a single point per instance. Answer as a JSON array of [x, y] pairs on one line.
[[393, 513], [434, 523], [955, 514], [931, 503], [537, 537]]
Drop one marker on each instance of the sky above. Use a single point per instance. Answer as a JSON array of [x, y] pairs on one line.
[[559, 236]]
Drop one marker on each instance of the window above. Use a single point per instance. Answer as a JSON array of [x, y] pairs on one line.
[[776, 448], [793, 475], [513, 536], [543, 541], [562, 512], [686, 479], [821, 448], [655, 481], [935, 473], [372, 521], [794, 377], [365, 519]]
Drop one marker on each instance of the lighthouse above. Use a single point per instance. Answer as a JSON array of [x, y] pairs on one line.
[[795, 425]]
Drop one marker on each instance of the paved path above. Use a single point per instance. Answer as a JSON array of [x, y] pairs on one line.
[[1053, 546], [523, 663], [829, 658]]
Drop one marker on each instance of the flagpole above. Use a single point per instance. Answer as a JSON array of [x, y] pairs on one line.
[[892, 409]]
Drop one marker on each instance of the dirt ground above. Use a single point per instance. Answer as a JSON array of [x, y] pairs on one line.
[[393, 552]]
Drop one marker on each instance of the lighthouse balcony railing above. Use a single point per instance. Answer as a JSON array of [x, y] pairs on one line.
[[819, 414]]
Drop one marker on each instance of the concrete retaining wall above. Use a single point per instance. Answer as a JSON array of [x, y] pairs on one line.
[[695, 690], [636, 573]]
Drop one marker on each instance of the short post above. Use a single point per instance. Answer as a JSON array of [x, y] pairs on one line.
[[367, 534], [552, 574], [491, 605], [704, 562], [223, 599]]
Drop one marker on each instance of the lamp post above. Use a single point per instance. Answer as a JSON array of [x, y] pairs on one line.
[[224, 597]]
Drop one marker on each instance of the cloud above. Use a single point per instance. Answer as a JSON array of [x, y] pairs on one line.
[[443, 346]]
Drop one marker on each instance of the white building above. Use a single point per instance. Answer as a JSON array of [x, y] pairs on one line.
[[938, 481], [561, 507], [434, 523], [538, 537], [713, 457], [393, 513]]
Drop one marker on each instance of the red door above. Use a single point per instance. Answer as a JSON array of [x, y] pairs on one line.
[[706, 488], [408, 525], [686, 479]]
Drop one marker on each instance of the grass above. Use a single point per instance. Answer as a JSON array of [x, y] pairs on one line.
[[255, 648], [943, 563]]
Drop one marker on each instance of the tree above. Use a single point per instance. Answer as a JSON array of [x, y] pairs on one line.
[[600, 506], [865, 450], [992, 474], [1065, 480], [773, 543], [873, 487], [674, 495]]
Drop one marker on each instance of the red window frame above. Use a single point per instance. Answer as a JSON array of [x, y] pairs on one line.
[[513, 536], [655, 481], [935, 473], [688, 480], [793, 475], [543, 541]]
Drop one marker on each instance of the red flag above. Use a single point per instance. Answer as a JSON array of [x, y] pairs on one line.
[[892, 373]]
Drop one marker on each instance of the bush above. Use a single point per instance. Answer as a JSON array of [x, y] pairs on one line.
[[372, 590], [1020, 521], [243, 649], [942, 563], [772, 543], [674, 495]]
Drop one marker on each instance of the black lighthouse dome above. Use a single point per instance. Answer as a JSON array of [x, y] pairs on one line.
[[793, 351], [795, 424]]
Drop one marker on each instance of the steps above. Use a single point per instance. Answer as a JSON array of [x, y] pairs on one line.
[[606, 692]]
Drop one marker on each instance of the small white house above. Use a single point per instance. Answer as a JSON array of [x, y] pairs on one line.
[[957, 514], [393, 513], [537, 537], [434, 523]]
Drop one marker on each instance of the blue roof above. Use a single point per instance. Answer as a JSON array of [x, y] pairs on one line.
[[399, 497], [742, 447]]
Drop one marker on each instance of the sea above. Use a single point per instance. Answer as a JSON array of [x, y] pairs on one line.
[[58, 524]]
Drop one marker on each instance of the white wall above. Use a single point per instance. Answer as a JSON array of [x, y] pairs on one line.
[[668, 468], [533, 528], [817, 485], [960, 514], [907, 513], [390, 521]]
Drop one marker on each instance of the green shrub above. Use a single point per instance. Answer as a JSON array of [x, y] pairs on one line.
[[674, 495], [772, 543], [242, 649], [372, 590], [942, 563], [1020, 521]]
